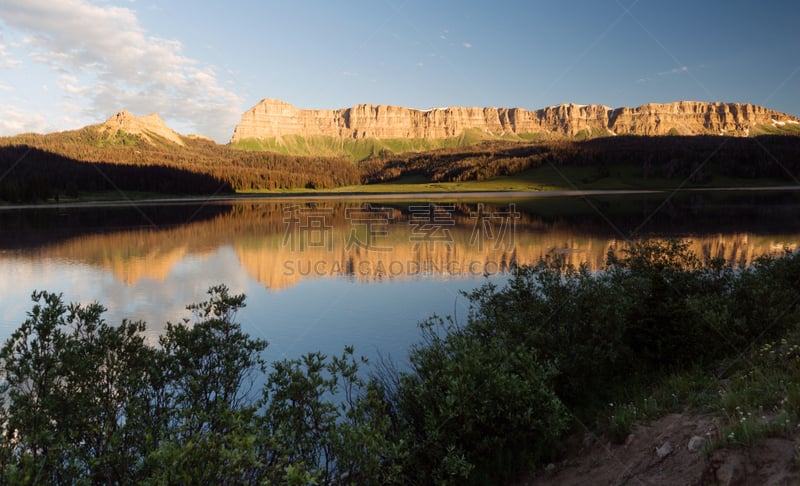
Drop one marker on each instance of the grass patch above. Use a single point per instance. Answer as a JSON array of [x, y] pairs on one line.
[[786, 129], [760, 399], [120, 138], [640, 403]]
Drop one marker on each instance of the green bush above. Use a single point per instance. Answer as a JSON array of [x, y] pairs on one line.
[[558, 340], [87, 402], [475, 405], [484, 401], [75, 396]]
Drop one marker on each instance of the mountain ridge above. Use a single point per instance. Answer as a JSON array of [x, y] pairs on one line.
[[271, 118], [146, 126]]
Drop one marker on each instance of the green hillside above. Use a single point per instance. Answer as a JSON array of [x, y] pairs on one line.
[[367, 148], [777, 129]]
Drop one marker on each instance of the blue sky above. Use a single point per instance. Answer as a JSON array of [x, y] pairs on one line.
[[200, 65]]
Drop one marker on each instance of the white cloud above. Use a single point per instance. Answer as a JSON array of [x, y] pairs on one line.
[[113, 63], [467, 45], [677, 70], [15, 120], [6, 59], [70, 85]]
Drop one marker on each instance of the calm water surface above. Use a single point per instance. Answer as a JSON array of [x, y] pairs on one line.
[[321, 274]]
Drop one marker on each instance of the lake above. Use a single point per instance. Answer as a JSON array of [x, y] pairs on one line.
[[322, 273]]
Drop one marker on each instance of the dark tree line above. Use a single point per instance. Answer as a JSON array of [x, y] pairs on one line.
[[32, 174], [767, 156], [131, 163], [478, 162], [86, 160], [772, 156]]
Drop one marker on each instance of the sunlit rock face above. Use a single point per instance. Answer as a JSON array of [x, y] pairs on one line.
[[694, 118], [147, 127], [271, 118]]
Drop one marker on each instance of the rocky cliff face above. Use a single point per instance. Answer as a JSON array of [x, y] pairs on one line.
[[274, 118], [146, 126]]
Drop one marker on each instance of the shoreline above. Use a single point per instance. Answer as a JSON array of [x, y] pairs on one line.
[[471, 195]]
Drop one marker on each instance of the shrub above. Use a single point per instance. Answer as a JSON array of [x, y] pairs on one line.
[[476, 405], [483, 401]]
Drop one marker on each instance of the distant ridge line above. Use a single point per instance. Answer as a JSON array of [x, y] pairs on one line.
[[271, 118]]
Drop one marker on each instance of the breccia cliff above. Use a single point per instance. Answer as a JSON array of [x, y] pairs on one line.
[[272, 118]]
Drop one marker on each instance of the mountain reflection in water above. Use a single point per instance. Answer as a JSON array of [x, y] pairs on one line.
[[325, 271], [279, 243]]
